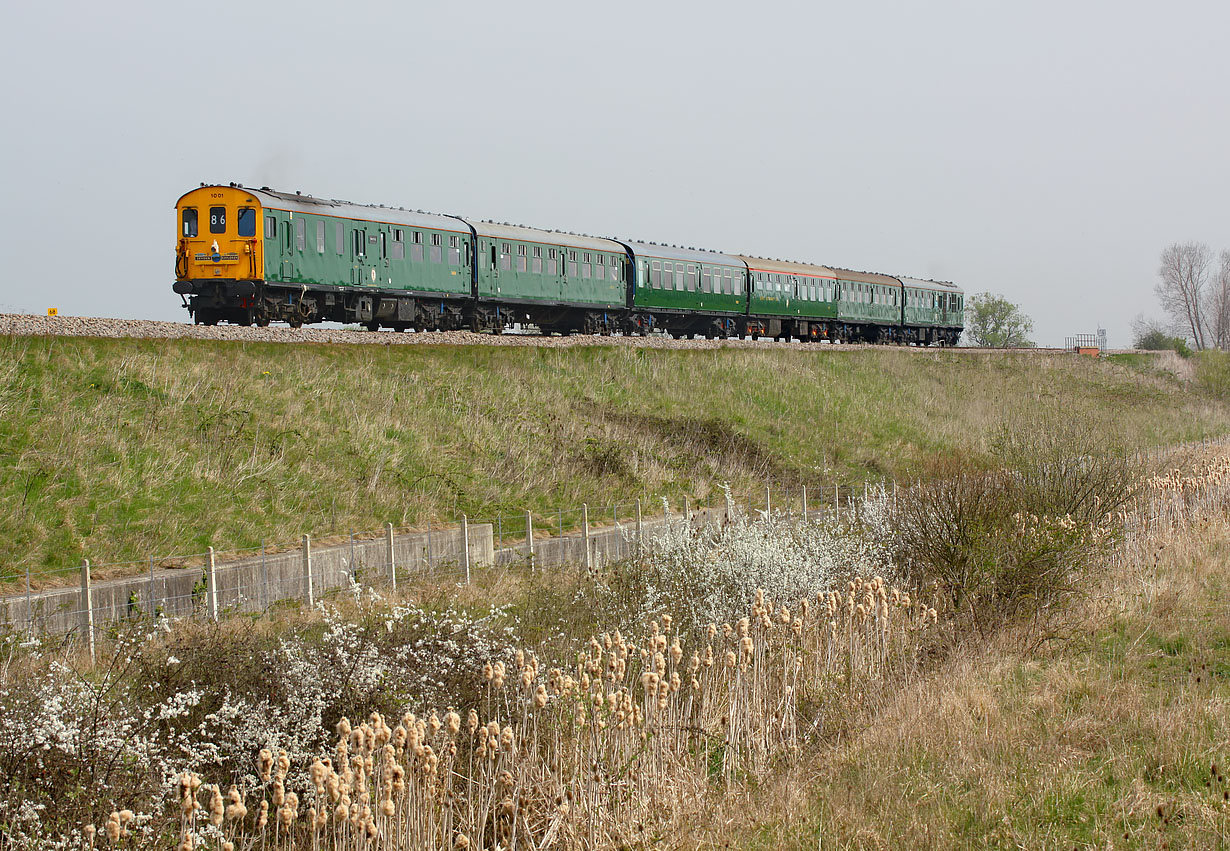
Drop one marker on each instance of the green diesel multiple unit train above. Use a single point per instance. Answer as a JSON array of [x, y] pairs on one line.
[[255, 256]]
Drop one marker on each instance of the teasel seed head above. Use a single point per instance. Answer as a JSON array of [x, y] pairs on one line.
[[113, 827], [217, 809]]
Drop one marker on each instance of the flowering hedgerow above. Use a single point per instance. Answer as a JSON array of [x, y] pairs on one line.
[[707, 575], [109, 746]]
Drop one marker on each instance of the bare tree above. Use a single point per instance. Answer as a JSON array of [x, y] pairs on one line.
[[1184, 275], [1219, 305]]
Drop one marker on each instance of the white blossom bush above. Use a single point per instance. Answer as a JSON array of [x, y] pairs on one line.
[[706, 575], [76, 742]]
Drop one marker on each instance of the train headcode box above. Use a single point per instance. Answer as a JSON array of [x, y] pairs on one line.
[[53, 311]]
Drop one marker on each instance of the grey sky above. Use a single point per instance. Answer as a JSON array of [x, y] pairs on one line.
[[1046, 150]]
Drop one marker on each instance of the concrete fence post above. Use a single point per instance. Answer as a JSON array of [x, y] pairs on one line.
[[87, 607], [589, 559], [308, 591], [687, 514], [465, 545], [640, 528], [529, 534], [804, 503], [836, 501], [211, 586], [768, 504], [388, 538], [730, 507], [29, 605]]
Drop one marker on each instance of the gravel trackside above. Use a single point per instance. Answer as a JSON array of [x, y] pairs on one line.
[[27, 325]]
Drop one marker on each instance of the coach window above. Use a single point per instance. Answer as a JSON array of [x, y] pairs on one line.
[[655, 275], [552, 262], [320, 234], [217, 219], [300, 236], [247, 221], [271, 227], [433, 251], [614, 267], [190, 221], [399, 244], [339, 242], [691, 278], [729, 286]]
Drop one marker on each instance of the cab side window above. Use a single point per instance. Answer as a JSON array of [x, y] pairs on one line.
[[217, 219], [271, 226], [247, 221], [189, 221]]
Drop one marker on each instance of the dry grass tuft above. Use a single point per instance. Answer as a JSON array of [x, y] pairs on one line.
[[1115, 734]]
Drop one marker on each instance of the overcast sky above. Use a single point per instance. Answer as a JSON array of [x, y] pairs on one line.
[[1047, 151]]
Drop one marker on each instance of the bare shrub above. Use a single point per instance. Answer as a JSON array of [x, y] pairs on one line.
[[1011, 541]]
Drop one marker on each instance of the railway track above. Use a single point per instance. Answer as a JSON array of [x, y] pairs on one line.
[[29, 325]]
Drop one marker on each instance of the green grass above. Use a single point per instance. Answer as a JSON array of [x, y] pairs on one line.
[[118, 449]]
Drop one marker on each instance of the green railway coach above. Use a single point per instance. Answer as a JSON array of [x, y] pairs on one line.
[[934, 311], [685, 291], [790, 299], [557, 281], [868, 306]]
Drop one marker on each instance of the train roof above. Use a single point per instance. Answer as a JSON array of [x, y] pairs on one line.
[[522, 233], [311, 205], [788, 267], [866, 277], [687, 255], [938, 286]]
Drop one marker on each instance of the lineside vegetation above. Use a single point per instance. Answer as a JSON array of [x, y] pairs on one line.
[[606, 710], [119, 450]]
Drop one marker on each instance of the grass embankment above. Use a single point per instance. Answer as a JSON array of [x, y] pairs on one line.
[[119, 449], [1115, 734]]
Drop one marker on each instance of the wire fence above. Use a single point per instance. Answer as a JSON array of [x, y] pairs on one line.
[[96, 599]]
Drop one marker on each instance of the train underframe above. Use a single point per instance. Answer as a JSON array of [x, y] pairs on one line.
[[260, 303]]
